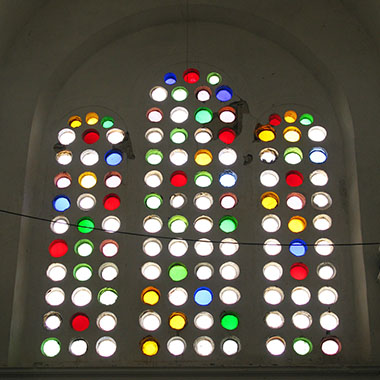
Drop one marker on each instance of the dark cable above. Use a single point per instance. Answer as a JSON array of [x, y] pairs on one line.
[[187, 239]]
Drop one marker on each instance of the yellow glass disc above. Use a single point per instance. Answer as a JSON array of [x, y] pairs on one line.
[[92, 118], [290, 116], [75, 121], [203, 157], [292, 134], [270, 200], [87, 180], [297, 224], [149, 347], [177, 321], [150, 295], [267, 136]]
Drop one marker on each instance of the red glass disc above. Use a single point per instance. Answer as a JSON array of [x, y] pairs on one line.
[[80, 322], [178, 178], [111, 202], [58, 248], [191, 75], [274, 120], [90, 136], [299, 271], [294, 178], [227, 135]]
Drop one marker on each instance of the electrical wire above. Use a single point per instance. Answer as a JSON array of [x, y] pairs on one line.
[[186, 239]]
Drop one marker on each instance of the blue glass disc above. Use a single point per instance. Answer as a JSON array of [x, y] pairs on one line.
[[227, 178], [170, 78], [113, 157], [297, 247], [61, 203], [203, 296], [318, 155], [224, 93]]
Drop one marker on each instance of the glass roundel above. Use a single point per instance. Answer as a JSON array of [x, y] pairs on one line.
[[229, 295], [306, 119], [300, 295], [319, 178], [151, 271], [107, 122], [90, 136], [317, 133], [274, 320], [149, 346], [150, 295], [227, 135], [66, 136], [203, 157], [150, 320], [203, 320], [302, 319], [295, 201], [153, 178], [178, 157], [269, 178], [203, 224], [203, 115], [152, 247], [154, 156], [158, 93], [61, 203], [298, 247], [153, 201], [178, 247], [177, 320], [154, 115], [331, 345], [177, 296], [178, 178], [271, 223], [327, 295], [294, 178], [177, 272], [270, 200], [297, 224], [214, 78], [228, 200], [179, 94], [204, 346], [299, 271], [86, 201], [176, 346], [318, 155], [293, 155], [204, 271], [62, 180], [228, 178], [227, 115], [302, 346], [273, 295], [191, 75], [178, 200], [52, 320], [229, 246], [290, 116], [268, 155], [109, 248], [272, 271], [203, 179], [229, 320], [105, 346], [92, 118], [152, 224], [203, 247], [51, 347], [75, 121], [265, 133], [64, 157], [274, 119], [276, 345], [58, 248], [203, 201], [113, 179], [203, 296], [84, 247], [321, 200], [178, 224], [106, 321], [115, 136], [203, 135], [89, 157], [224, 93], [326, 271], [113, 157], [227, 156], [60, 225], [56, 272], [111, 202], [203, 93], [228, 224], [292, 134], [108, 271], [170, 78], [178, 135], [329, 321], [322, 222], [154, 135], [107, 296], [179, 115], [272, 247], [111, 224]]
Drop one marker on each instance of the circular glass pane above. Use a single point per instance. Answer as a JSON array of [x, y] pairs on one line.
[[273, 295], [56, 272], [229, 246], [268, 155], [229, 271], [81, 296], [302, 319], [324, 247], [274, 320], [272, 271], [109, 248], [203, 247], [154, 135], [179, 115], [150, 320], [86, 201], [227, 156], [177, 247], [322, 222], [204, 271], [176, 346], [276, 345], [329, 321], [64, 157], [179, 94], [66, 136], [326, 271], [153, 178], [229, 295], [327, 295], [106, 346], [321, 200], [269, 178], [272, 247], [204, 346], [151, 271], [203, 201], [112, 180], [271, 223], [158, 93], [317, 133], [300, 295], [178, 135], [203, 135], [154, 115], [178, 157], [152, 224], [152, 247], [203, 320], [106, 321], [178, 200], [177, 296]]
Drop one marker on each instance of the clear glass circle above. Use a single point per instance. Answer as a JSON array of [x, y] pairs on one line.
[[203, 320], [326, 271], [151, 271], [177, 296], [322, 222], [274, 320], [178, 200], [268, 155], [272, 271], [276, 345], [302, 319], [204, 271], [106, 321], [176, 346], [228, 246], [52, 320], [59, 225], [319, 178], [152, 247], [81, 296], [272, 247], [203, 224], [271, 223], [55, 296], [153, 178], [108, 271], [203, 201], [203, 135], [203, 247], [152, 224], [300, 295], [227, 156], [149, 320], [269, 178], [179, 115], [327, 295], [178, 157], [329, 321], [86, 201], [229, 271], [106, 346], [56, 271], [115, 136], [321, 200], [317, 133], [89, 157], [178, 247], [78, 347], [111, 224], [66, 136], [273, 295], [324, 247], [204, 346], [231, 346], [158, 93], [229, 295], [154, 135]]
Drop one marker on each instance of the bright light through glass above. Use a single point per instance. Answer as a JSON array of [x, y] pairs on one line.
[[272, 247], [151, 271], [271, 223], [158, 93], [274, 320], [106, 346], [302, 319], [329, 321], [178, 200], [276, 345], [229, 271], [272, 271], [204, 346], [178, 157], [269, 178], [176, 346], [203, 247], [229, 246], [324, 247], [178, 247], [300, 295], [152, 247], [179, 115], [227, 156], [203, 320], [203, 201], [273, 295]]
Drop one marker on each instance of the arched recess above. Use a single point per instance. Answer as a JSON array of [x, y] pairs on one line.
[[220, 16]]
